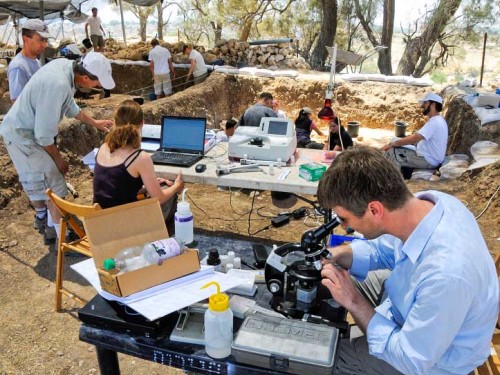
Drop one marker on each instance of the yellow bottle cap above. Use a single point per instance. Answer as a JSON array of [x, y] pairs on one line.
[[218, 301]]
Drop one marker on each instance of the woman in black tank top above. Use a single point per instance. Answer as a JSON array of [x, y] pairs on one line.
[[122, 169]]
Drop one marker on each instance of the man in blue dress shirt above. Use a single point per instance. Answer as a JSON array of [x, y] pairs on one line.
[[431, 303]]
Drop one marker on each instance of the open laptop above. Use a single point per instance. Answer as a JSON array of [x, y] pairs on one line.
[[182, 141]]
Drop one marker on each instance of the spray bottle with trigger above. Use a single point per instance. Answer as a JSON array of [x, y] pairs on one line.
[[184, 221]]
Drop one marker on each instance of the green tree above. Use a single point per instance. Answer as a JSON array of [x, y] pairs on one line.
[[160, 10], [248, 14], [366, 12], [433, 36], [326, 35]]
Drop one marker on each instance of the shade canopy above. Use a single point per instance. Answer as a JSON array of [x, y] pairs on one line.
[[52, 9], [31, 8]]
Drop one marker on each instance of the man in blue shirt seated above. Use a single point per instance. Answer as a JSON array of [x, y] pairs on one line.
[[423, 289]]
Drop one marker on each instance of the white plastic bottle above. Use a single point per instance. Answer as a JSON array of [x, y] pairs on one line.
[[218, 324], [133, 258], [184, 221]]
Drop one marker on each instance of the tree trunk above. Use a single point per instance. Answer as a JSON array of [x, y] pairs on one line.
[[418, 50], [143, 20], [326, 35], [384, 55], [159, 9], [217, 29], [245, 29]]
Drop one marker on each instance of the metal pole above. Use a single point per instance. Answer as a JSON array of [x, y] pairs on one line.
[[482, 62], [42, 11], [42, 17], [123, 24], [8, 37], [16, 31], [6, 27]]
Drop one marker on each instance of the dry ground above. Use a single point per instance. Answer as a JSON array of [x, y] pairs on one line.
[[36, 340]]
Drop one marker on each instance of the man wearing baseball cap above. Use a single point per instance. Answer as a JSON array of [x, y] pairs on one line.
[[431, 141], [22, 67], [30, 126]]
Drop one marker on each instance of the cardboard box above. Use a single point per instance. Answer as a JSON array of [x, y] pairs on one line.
[[311, 171], [133, 224]]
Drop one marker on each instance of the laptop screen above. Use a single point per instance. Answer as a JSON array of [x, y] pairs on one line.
[[184, 134]]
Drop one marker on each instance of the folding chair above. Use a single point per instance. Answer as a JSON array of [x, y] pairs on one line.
[[492, 364], [69, 211]]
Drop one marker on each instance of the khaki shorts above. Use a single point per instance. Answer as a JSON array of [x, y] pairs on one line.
[[163, 84], [37, 171], [97, 40], [404, 157]]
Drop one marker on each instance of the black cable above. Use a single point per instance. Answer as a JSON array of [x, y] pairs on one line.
[[248, 265], [249, 219], [266, 216], [214, 217], [231, 204]]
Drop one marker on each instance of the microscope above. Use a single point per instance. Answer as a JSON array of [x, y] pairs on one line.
[[293, 276]]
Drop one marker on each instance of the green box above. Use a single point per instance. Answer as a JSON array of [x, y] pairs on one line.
[[311, 171]]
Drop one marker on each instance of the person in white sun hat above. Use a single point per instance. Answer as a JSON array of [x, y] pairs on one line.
[[431, 141], [31, 125], [22, 67]]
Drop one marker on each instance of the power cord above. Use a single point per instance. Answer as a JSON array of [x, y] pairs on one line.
[[249, 220], [214, 217]]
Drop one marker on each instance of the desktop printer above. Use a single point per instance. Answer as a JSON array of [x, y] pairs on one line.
[[273, 139]]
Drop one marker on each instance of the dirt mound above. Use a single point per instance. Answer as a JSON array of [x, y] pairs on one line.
[[464, 126], [47, 342], [223, 96]]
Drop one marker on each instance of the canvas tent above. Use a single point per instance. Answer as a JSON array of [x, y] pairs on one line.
[[53, 9], [39, 8]]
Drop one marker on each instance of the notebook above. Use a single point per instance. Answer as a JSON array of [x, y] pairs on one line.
[[182, 141]]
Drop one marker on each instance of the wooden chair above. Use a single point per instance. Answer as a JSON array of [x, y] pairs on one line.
[[69, 211], [492, 364]]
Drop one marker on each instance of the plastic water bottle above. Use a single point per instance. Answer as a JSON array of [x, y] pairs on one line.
[[136, 257], [218, 324], [184, 221]]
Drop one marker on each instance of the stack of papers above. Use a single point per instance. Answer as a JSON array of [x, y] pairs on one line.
[[166, 298]]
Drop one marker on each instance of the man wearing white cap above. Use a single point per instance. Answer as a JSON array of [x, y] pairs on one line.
[[30, 126], [22, 67], [431, 141]]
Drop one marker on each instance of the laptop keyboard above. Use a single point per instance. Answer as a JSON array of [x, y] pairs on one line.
[[165, 155]]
